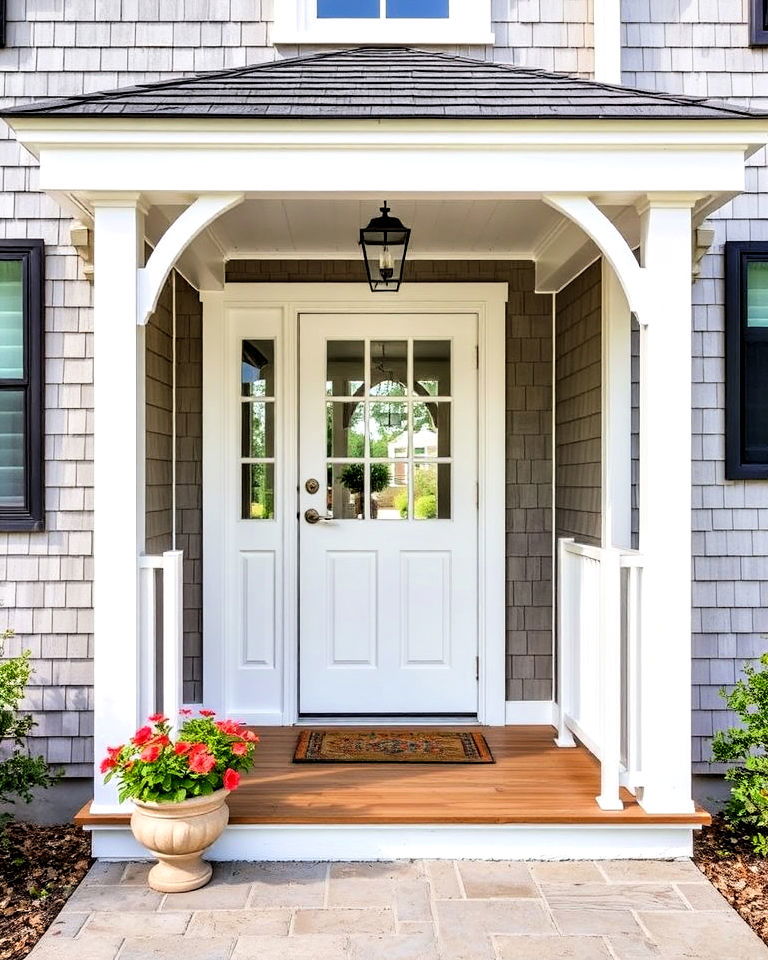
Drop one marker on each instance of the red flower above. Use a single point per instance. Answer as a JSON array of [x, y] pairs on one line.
[[150, 753], [158, 718], [201, 762], [162, 741], [231, 779], [182, 748], [207, 713], [141, 736], [199, 748], [240, 748], [251, 737], [185, 712], [232, 727], [110, 760]]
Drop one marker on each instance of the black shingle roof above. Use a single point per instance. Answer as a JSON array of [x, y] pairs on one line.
[[384, 83]]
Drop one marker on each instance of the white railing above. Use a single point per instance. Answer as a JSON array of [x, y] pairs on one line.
[[161, 647], [599, 638]]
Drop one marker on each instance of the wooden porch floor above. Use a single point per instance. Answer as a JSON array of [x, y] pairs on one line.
[[532, 782]]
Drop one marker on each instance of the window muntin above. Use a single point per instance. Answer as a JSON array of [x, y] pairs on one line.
[[21, 385], [746, 321], [257, 430]]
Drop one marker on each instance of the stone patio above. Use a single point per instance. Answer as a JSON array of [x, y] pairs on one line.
[[423, 910]]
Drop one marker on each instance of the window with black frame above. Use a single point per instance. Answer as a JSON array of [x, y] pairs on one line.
[[21, 385], [758, 23]]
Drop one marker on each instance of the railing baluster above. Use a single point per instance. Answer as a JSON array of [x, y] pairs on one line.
[[173, 632], [609, 668], [565, 633]]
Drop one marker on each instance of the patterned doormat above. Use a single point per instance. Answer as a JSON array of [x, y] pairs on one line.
[[391, 746]]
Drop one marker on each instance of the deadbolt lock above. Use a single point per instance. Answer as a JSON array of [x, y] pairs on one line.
[[312, 485]]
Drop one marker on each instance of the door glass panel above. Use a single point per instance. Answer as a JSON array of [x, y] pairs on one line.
[[258, 369], [258, 430], [431, 430], [12, 485], [389, 368], [388, 429], [348, 9], [432, 368], [258, 491], [389, 490], [11, 321], [345, 429], [346, 491], [345, 368], [432, 491]]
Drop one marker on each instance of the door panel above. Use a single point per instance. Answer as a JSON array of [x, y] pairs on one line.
[[388, 572]]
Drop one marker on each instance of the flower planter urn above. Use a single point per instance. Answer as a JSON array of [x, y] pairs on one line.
[[178, 834]]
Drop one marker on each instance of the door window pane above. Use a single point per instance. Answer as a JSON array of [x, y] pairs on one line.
[[432, 9], [389, 368], [258, 430], [258, 369], [345, 370], [345, 429], [352, 9], [258, 491], [432, 491], [11, 320], [346, 491], [432, 368], [389, 490], [757, 293], [11, 448], [431, 430], [388, 429]]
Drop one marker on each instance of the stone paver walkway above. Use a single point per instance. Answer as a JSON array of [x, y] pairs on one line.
[[423, 910]]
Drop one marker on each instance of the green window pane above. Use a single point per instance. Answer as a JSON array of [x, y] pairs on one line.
[[757, 294], [12, 448], [258, 491], [11, 320]]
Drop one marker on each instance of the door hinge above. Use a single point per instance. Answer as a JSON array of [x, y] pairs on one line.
[[477, 668], [477, 357]]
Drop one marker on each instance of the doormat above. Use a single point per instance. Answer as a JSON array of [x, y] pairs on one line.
[[391, 746]]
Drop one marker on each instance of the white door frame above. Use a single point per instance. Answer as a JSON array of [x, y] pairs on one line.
[[486, 301]]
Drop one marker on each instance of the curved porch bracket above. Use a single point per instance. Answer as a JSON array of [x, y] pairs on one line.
[[585, 214], [172, 244]]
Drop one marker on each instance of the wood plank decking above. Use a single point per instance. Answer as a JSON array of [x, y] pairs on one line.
[[532, 782]]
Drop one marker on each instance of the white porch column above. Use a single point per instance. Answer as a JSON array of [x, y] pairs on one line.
[[118, 476], [617, 413], [665, 506]]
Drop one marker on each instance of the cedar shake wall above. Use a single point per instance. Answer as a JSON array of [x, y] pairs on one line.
[[528, 445], [159, 438], [578, 421]]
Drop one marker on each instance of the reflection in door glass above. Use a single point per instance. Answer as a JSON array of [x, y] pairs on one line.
[[346, 491], [432, 368], [258, 430], [345, 368], [258, 368], [432, 491], [389, 368], [389, 490], [258, 491], [431, 430], [388, 429], [345, 429]]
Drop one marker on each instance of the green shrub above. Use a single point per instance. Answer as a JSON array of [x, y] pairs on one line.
[[425, 508], [20, 773], [745, 746], [353, 477], [400, 503]]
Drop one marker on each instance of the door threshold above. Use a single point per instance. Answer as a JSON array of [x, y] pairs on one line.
[[397, 720]]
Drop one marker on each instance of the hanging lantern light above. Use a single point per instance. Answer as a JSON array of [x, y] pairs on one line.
[[385, 243]]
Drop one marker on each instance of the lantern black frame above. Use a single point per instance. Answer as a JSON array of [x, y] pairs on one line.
[[384, 231]]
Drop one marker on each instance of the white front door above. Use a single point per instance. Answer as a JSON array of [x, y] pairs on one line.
[[388, 473]]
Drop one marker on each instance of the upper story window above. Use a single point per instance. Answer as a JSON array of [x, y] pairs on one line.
[[21, 385], [758, 23], [383, 21]]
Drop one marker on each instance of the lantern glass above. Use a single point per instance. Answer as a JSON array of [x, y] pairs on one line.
[[385, 244]]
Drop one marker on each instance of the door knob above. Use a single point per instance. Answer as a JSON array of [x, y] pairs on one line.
[[312, 516]]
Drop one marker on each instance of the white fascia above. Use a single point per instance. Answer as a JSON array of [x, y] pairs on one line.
[[296, 22]]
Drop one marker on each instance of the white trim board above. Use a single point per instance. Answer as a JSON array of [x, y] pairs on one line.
[[366, 842], [531, 713], [487, 301]]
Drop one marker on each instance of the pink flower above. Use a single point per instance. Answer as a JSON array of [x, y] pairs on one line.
[[150, 753], [162, 741], [158, 718], [232, 727], [141, 736], [240, 748], [110, 760], [202, 762], [251, 737], [207, 713], [231, 779], [182, 748]]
